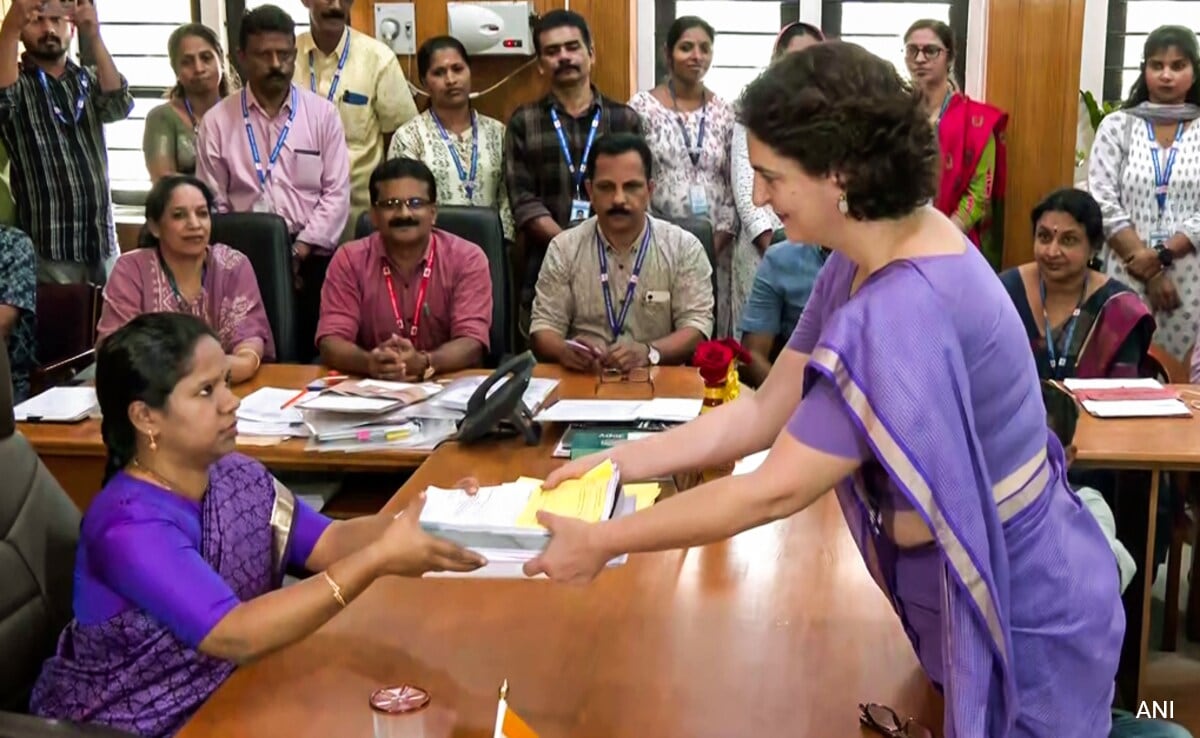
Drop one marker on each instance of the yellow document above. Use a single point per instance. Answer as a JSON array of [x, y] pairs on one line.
[[645, 493], [585, 498]]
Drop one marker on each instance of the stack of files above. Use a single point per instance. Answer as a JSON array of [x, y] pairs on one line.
[[458, 393], [59, 405], [362, 396], [500, 522], [412, 434], [272, 412], [1127, 398], [666, 409]]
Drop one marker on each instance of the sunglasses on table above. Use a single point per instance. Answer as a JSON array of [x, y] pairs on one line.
[[931, 51], [885, 721]]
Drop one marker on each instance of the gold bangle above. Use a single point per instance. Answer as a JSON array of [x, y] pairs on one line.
[[337, 591], [252, 352]]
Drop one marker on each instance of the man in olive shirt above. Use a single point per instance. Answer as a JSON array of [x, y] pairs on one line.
[[621, 290]]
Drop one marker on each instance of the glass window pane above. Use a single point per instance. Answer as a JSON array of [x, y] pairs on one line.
[[732, 15], [128, 165], [888, 48], [728, 83], [294, 8], [146, 71], [1143, 16], [743, 50], [138, 39], [1133, 49], [889, 18], [1127, 79], [124, 134], [158, 11]]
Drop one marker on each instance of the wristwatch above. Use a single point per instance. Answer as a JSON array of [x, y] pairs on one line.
[[653, 355], [1166, 256], [429, 370]]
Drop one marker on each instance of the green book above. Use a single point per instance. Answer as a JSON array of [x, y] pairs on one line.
[[586, 441]]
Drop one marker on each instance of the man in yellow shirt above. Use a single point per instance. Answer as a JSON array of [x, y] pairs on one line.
[[362, 77]]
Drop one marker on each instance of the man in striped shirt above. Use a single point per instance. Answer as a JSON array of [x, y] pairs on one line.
[[52, 116]]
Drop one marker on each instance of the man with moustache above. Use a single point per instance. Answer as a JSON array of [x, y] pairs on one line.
[[622, 290], [278, 148], [362, 78], [548, 141], [52, 116], [409, 301]]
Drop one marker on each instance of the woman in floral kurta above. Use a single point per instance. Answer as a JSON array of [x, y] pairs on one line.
[[444, 69], [671, 123]]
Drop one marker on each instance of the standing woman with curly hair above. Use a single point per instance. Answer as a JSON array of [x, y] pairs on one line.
[[953, 489], [202, 80]]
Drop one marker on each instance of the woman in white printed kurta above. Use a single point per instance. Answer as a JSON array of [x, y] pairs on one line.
[[664, 120], [1121, 178]]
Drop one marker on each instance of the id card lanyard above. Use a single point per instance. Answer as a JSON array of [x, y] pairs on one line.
[[468, 179], [577, 172], [337, 76], [1162, 172], [697, 151], [616, 323], [265, 172], [80, 100], [1058, 364], [422, 289]]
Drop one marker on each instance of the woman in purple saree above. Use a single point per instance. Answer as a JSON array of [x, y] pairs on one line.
[[182, 554], [909, 388], [1080, 322]]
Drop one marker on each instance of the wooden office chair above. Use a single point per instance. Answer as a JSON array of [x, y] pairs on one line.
[[66, 332], [1161, 365]]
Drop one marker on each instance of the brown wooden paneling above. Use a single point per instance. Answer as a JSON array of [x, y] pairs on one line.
[[612, 33], [1033, 73]]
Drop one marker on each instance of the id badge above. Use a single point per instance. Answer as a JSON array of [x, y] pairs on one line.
[[1158, 238], [698, 198], [580, 210], [263, 204]]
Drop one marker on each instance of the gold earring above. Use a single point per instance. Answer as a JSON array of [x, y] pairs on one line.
[[843, 205], [153, 443]]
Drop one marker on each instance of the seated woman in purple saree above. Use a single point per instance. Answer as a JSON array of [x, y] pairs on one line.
[[1098, 328], [179, 270], [908, 387], [182, 554]]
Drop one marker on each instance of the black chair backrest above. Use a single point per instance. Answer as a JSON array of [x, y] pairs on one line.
[[480, 226], [264, 239], [702, 229], [39, 531], [69, 314]]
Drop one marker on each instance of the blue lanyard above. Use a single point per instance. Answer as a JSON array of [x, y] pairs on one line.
[[468, 180], [287, 128], [80, 101], [337, 76], [1059, 363], [1162, 175], [577, 173], [694, 153], [617, 323], [945, 104], [187, 105], [162, 263]]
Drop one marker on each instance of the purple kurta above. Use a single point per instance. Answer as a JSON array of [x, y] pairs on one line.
[[154, 574], [926, 376], [229, 300]]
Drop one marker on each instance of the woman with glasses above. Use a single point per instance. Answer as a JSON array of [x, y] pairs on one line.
[[689, 130], [1144, 170], [971, 177], [202, 80], [757, 315], [463, 148]]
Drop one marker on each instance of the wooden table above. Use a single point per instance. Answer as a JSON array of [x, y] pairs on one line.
[[777, 632], [1142, 449]]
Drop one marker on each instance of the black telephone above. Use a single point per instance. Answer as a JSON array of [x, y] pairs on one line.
[[502, 411]]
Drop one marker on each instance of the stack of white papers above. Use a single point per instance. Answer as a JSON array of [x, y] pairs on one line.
[[668, 409], [458, 393], [58, 405], [262, 413], [369, 396], [1167, 407]]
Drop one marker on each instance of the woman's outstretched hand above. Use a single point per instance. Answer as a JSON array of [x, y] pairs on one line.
[[572, 556]]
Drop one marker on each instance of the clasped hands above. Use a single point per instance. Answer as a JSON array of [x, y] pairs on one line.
[[588, 354], [1145, 266], [395, 359]]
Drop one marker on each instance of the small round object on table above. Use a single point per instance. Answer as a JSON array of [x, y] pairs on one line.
[[399, 711]]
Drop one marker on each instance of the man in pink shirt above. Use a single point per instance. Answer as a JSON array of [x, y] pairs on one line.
[[409, 301]]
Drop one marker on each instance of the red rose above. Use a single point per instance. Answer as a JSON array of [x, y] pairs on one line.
[[738, 350], [713, 358]]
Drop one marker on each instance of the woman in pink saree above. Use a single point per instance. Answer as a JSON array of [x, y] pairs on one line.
[[182, 272]]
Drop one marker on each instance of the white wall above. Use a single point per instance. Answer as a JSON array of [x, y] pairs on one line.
[[1095, 34]]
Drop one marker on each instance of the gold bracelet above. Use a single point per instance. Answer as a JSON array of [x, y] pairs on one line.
[[252, 352], [337, 591]]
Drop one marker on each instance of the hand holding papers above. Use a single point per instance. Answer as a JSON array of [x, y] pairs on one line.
[[411, 552]]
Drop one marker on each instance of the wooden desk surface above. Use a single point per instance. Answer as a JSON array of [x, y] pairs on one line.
[[1141, 443], [778, 632]]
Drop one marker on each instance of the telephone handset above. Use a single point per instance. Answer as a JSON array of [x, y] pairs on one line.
[[501, 410]]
